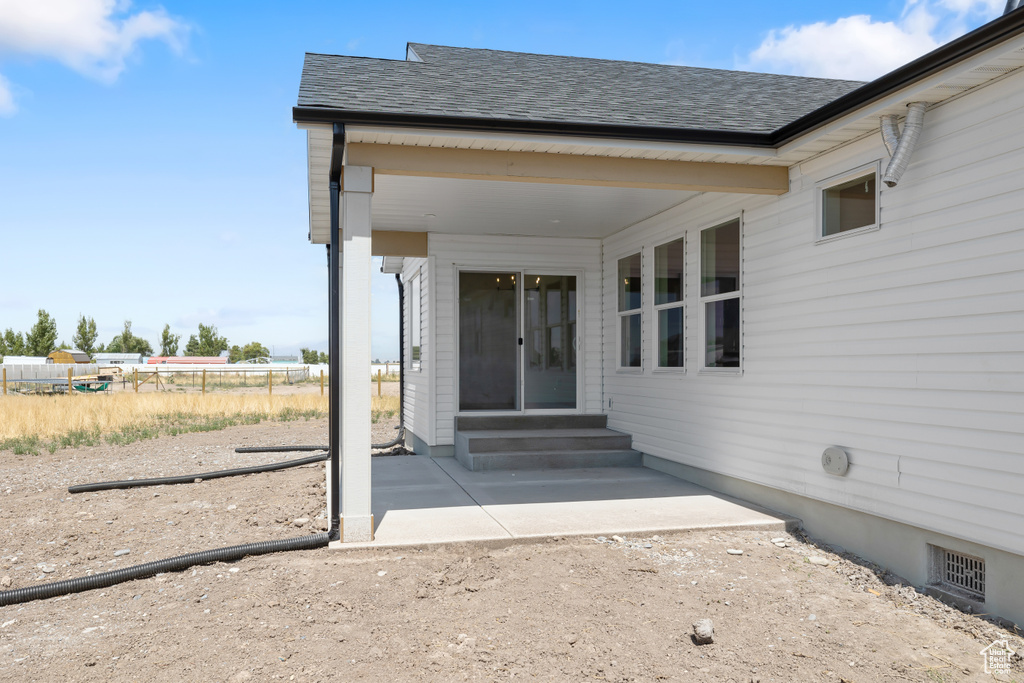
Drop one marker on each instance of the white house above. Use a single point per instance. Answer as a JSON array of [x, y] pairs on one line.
[[721, 263]]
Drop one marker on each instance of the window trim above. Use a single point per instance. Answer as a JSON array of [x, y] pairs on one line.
[[828, 183], [638, 311], [656, 366], [702, 301]]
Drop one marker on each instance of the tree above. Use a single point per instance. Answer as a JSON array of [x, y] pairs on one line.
[[309, 357], [12, 343], [126, 342], [42, 338], [169, 342], [207, 344], [247, 352], [325, 358], [84, 338]]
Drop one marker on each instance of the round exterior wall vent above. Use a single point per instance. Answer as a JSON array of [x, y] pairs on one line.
[[834, 461]]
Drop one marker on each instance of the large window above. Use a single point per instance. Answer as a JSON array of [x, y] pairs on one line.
[[630, 336], [849, 203], [415, 319], [668, 303], [720, 294]]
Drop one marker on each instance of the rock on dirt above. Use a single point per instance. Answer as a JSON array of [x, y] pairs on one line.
[[704, 632]]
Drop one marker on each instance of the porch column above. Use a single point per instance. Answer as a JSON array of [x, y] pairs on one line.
[[354, 321]]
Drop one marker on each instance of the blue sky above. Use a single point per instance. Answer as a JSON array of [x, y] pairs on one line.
[[149, 168]]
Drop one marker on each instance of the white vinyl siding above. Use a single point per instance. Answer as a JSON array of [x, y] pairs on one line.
[[543, 255], [904, 346], [418, 401]]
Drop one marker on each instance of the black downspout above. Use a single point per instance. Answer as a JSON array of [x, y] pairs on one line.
[[334, 342], [401, 353]]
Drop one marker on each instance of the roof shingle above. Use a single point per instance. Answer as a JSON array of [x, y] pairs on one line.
[[491, 84]]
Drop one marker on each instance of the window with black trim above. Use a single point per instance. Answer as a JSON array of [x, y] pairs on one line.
[[630, 335], [669, 303], [720, 294]]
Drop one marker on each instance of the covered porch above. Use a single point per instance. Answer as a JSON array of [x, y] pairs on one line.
[[533, 222]]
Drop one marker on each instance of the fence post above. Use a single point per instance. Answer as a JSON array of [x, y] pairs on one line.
[[321, 381], [135, 379], [69, 381], [270, 382], [204, 381], [378, 382]]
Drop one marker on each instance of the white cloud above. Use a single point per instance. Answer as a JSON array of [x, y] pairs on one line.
[[861, 48], [93, 37], [7, 106]]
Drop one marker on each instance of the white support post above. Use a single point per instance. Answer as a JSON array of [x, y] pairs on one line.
[[354, 439]]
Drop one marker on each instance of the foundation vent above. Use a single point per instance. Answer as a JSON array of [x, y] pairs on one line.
[[959, 573]]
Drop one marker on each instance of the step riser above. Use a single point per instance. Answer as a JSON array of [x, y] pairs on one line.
[[548, 443], [471, 423], [482, 462]]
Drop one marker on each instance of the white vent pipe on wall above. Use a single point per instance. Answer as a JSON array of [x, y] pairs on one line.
[[901, 146]]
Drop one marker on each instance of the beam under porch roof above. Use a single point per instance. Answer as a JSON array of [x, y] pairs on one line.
[[399, 243], [568, 169]]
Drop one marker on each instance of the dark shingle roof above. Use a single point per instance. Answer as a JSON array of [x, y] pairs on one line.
[[490, 84]]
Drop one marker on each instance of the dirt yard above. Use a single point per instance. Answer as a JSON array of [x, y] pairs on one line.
[[566, 609]]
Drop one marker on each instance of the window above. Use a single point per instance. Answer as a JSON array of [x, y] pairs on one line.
[[629, 312], [415, 319], [849, 203], [720, 294], [668, 303]]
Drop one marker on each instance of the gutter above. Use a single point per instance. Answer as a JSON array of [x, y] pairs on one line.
[[1007, 26]]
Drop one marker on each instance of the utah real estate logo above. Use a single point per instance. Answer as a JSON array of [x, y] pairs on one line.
[[997, 657]]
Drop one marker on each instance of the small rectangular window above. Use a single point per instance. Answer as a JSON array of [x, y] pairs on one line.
[[630, 335], [848, 203], [668, 302], [720, 266]]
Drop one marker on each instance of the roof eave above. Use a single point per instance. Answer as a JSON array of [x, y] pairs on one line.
[[581, 129], [968, 45], [977, 41]]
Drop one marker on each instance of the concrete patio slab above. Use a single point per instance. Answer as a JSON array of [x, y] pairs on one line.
[[425, 501]]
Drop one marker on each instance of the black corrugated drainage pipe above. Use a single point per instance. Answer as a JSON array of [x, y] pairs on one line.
[[192, 478], [171, 564], [279, 449]]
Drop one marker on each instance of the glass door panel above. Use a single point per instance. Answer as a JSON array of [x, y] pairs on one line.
[[488, 341], [549, 353]]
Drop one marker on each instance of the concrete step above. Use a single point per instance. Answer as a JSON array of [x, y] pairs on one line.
[[506, 422], [533, 440], [537, 460]]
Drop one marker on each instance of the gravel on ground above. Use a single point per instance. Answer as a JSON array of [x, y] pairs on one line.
[[617, 608]]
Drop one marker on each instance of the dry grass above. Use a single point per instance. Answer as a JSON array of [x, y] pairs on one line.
[[32, 423]]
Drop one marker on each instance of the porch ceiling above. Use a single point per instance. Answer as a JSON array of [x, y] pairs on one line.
[[489, 207]]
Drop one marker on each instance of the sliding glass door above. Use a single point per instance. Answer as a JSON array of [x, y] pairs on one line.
[[488, 341], [517, 341], [549, 312]]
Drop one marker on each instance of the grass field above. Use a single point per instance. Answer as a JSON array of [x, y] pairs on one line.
[[31, 424]]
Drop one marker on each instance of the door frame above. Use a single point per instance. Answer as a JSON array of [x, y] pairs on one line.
[[520, 272]]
